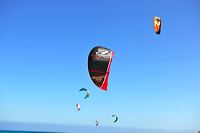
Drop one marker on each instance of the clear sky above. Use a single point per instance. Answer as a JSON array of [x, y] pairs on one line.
[[154, 80]]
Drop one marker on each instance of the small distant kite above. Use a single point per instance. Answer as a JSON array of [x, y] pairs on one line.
[[99, 61], [87, 92], [157, 24], [97, 123], [78, 107], [116, 118]]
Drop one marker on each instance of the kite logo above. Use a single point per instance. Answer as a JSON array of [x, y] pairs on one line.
[[103, 53]]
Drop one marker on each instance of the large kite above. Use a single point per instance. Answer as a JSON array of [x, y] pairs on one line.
[[99, 61]]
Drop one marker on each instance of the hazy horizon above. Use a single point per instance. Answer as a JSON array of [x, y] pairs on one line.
[[67, 128]]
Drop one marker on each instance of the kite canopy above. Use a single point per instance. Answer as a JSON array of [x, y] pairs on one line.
[[97, 123], [78, 106], [99, 61], [157, 24], [87, 92], [116, 118]]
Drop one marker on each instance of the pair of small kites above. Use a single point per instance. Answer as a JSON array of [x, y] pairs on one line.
[[78, 106], [99, 62], [116, 118]]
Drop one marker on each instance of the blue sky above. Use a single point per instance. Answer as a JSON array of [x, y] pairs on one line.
[[154, 79]]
